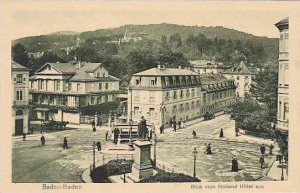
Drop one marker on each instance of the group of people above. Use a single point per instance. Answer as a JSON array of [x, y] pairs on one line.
[[179, 125]]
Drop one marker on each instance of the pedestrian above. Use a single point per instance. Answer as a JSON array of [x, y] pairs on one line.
[[65, 144], [208, 149], [100, 123], [98, 144], [179, 124], [234, 165], [261, 161], [237, 131], [93, 123], [43, 140], [161, 129], [221, 133], [106, 136], [174, 125], [117, 135], [262, 149], [94, 129], [279, 158], [271, 149], [24, 136], [194, 134]]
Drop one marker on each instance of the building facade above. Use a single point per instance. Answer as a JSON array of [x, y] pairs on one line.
[[243, 78], [20, 98], [161, 94], [219, 93], [59, 90], [208, 67], [283, 76]]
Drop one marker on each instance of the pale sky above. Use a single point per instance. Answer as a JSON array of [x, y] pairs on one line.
[[36, 22]]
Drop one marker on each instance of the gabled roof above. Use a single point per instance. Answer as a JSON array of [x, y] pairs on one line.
[[90, 67], [239, 69], [64, 68], [17, 66], [166, 72], [82, 76]]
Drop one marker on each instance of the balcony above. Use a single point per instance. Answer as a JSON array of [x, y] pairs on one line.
[[20, 103]]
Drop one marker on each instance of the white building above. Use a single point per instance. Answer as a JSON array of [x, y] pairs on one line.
[[20, 98], [208, 67], [59, 90], [160, 94], [283, 76], [243, 78]]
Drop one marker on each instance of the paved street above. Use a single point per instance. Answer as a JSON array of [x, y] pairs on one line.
[[51, 163]]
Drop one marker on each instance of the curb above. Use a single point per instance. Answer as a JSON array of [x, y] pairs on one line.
[[85, 176]]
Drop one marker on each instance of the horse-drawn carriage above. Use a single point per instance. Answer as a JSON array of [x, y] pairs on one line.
[[208, 116]]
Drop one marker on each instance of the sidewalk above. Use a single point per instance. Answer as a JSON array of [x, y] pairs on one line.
[[275, 172]]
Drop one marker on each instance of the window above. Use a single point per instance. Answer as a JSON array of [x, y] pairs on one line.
[[285, 111], [100, 86], [174, 109], [174, 80], [92, 100], [151, 111], [69, 86], [103, 74], [92, 87], [238, 78], [19, 112], [175, 95], [98, 75], [136, 110], [42, 84], [279, 110], [19, 78], [19, 95], [167, 96], [181, 107], [167, 81], [31, 84], [58, 85], [106, 86], [181, 94], [137, 82], [193, 92], [152, 82], [78, 87]]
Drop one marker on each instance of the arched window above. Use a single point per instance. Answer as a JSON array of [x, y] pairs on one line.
[[19, 112]]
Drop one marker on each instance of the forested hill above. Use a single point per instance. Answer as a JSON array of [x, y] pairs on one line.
[[145, 47]]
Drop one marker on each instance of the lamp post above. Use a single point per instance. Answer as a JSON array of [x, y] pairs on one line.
[[94, 155], [282, 176], [123, 163], [162, 109], [154, 143], [130, 143], [195, 155]]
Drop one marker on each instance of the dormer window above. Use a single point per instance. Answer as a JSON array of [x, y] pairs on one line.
[[152, 81], [137, 82]]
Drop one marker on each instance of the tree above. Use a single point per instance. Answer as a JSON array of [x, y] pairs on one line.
[[264, 89], [19, 54]]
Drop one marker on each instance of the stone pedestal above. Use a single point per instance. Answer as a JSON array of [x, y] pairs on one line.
[[142, 167]]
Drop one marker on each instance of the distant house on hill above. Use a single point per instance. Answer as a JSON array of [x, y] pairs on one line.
[[243, 78], [208, 67]]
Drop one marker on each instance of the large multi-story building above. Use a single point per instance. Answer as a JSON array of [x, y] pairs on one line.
[[20, 98], [59, 90], [283, 76], [243, 78], [219, 93], [208, 67], [160, 94]]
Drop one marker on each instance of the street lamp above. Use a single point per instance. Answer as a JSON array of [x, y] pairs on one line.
[[282, 176], [195, 155], [94, 155], [123, 164], [130, 143], [154, 143]]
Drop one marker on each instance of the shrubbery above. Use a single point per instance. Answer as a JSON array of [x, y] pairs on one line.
[[162, 176], [103, 108]]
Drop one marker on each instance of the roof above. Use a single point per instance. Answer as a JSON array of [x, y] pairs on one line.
[[65, 68], [166, 72], [90, 67], [212, 79], [285, 21], [17, 66], [241, 68], [82, 76]]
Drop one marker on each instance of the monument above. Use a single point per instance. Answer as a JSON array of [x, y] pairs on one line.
[[142, 166]]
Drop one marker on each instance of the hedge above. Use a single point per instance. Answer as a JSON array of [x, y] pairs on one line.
[[163, 176]]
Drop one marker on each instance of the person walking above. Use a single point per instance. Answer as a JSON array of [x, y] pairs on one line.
[[194, 134], [261, 161], [94, 129], [100, 123], [174, 125], [271, 149], [179, 124], [24, 136], [106, 136], [234, 165], [208, 149], [98, 144], [161, 129], [237, 131], [262, 149], [221, 133], [65, 143], [93, 123], [43, 140]]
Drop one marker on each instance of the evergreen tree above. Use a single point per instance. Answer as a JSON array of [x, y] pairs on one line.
[[19, 54]]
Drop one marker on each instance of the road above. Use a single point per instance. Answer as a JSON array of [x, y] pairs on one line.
[[32, 162]]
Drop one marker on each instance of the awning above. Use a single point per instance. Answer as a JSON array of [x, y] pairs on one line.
[[41, 109]]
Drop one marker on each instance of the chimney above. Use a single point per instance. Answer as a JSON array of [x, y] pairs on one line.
[[79, 64]]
